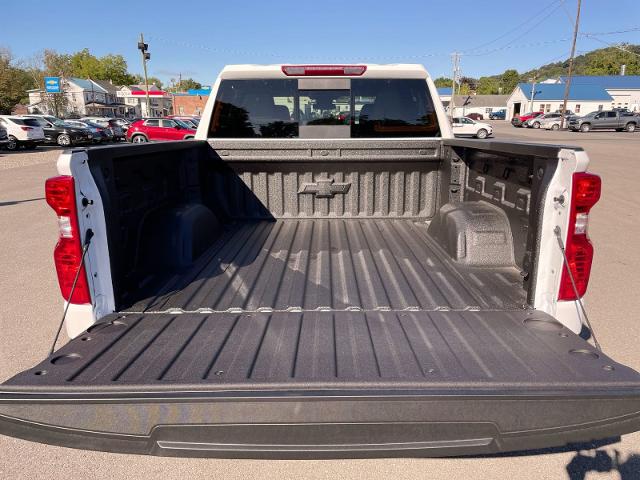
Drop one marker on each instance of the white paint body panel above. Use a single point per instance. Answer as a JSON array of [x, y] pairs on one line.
[[550, 261], [97, 266]]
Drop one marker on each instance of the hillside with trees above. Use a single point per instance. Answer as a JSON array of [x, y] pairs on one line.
[[604, 61]]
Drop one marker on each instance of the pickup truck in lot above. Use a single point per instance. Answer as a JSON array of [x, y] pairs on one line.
[[605, 120], [325, 271]]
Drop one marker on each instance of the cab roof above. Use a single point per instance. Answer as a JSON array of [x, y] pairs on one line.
[[396, 70]]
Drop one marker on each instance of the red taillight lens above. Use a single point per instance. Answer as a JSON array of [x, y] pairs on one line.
[[324, 70], [26, 128], [585, 193], [60, 195]]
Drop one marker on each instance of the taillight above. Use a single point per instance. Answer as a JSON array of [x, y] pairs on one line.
[[324, 70], [26, 128], [60, 195], [585, 193]]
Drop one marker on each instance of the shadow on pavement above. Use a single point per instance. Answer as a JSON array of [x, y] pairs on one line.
[[602, 462]]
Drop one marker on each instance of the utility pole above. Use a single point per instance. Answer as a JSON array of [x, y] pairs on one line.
[[533, 92], [455, 57], [143, 47], [179, 82], [573, 53]]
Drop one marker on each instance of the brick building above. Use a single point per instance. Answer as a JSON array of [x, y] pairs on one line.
[[190, 103]]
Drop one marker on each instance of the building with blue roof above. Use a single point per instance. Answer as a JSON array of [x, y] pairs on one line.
[[624, 89], [549, 97]]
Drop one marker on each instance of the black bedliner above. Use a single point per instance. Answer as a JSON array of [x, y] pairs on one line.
[[323, 384], [454, 350], [333, 264]]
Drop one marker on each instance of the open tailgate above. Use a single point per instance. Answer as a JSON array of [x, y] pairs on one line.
[[323, 384]]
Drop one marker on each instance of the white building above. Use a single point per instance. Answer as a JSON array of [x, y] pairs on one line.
[[480, 104], [549, 97], [445, 95], [80, 97], [135, 99], [624, 89]]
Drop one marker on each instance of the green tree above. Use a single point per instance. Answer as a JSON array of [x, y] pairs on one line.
[[114, 68], [488, 86], [86, 65], [508, 81], [442, 82], [608, 61], [188, 83], [14, 83]]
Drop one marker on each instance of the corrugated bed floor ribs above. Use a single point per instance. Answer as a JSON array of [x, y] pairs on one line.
[[319, 264]]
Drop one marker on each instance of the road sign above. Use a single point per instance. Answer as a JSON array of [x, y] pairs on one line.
[[52, 84]]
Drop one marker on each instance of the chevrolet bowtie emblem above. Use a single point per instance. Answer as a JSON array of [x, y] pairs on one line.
[[325, 188]]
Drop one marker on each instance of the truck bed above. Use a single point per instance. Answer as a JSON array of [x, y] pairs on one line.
[[317, 304], [335, 265]]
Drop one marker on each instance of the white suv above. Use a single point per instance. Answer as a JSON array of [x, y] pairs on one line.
[[466, 127], [22, 130]]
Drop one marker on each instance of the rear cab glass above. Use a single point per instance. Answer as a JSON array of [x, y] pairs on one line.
[[323, 108], [29, 122]]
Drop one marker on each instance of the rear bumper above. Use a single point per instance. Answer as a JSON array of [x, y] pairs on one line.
[[291, 425]]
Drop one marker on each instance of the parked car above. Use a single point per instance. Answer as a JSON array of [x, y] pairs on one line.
[[191, 121], [279, 291], [117, 133], [99, 135], [160, 129], [22, 131], [124, 124], [467, 127], [541, 120], [4, 137], [605, 120], [498, 115], [59, 132], [519, 120], [475, 116]]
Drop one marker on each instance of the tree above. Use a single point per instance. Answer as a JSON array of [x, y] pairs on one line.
[[114, 68], [508, 81], [488, 86], [187, 84], [442, 82], [14, 83], [86, 65], [608, 61]]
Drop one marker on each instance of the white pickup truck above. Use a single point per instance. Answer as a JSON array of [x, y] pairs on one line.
[[324, 272]]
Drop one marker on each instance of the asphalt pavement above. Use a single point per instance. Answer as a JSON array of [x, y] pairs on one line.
[[31, 309]]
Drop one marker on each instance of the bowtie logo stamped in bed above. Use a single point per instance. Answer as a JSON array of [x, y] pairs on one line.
[[325, 188]]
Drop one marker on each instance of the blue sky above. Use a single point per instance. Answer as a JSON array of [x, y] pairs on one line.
[[198, 38]]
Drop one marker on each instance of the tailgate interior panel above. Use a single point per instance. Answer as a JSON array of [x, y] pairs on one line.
[[318, 384]]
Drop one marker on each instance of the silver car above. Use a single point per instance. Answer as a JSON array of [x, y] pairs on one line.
[[542, 120]]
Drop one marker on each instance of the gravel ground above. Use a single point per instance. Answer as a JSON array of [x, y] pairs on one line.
[[31, 308]]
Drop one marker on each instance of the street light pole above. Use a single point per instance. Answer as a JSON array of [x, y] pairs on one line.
[[573, 53], [143, 47], [533, 92], [456, 61]]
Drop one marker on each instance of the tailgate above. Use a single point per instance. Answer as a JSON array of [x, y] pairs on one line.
[[323, 384]]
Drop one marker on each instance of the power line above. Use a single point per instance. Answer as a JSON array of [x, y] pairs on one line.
[[613, 45], [516, 27], [634, 29], [520, 45]]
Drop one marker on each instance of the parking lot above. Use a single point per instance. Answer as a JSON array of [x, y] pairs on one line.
[[32, 309]]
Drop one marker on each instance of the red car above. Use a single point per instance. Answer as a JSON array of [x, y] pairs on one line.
[[161, 129], [518, 120]]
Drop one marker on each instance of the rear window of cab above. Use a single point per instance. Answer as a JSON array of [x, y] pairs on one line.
[[323, 108]]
